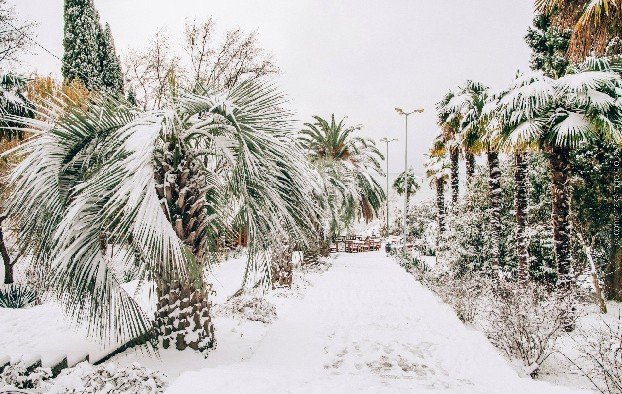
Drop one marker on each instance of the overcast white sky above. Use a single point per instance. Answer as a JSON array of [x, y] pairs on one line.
[[351, 57]]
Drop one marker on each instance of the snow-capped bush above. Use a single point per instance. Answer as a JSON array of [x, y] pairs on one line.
[[107, 378], [600, 355], [19, 376], [524, 320], [249, 308], [16, 295], [466, 295]]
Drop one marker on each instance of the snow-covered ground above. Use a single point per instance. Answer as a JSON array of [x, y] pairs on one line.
[[363, 325], [366, 326]]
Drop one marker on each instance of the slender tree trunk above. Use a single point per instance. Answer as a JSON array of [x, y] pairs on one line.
[[494, 185], [613, 274], [440, 205], [183, 317], [520, 205], [455, 177], [594, 272], [470, 166], [6, 258], [559, 160]]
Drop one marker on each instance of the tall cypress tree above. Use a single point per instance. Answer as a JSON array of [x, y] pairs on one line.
[[80, 59], [110, 65]]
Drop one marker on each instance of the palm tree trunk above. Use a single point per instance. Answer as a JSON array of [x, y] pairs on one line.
[[559, 160], [520, 205], [455, 177], [183, 317], [282, 268], [440, 205], [494, 185], [470, 166]]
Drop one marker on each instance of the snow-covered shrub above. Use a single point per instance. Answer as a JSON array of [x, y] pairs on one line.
[[19, 376], [465, 295], [410, 262], [466, 243], [107, 378], [600, 355], [249, 308], [16, 295], [422, 227], [525, 320]]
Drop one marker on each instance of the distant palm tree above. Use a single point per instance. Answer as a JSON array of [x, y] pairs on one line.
[[469, 106], [556, 116], [436, 169], [502, 128], [449, 118], [413, 183], [347, 165], [161, 187], [594, 23]]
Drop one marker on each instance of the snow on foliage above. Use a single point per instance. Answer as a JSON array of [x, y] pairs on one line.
[[20, 376], [107, 378]]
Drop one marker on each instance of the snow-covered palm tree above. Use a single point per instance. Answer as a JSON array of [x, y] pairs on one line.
[[470, 106], [105, 186], [449, 117], [414, 183], [437, 169], [557, 116], [347, 165], [594, 23]]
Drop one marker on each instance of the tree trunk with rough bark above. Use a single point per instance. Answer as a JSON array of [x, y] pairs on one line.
[[470, 166], [454, 157], [282, 268], [183, 317], [520, 205], [184, 310], [559, 160], [440, 205], [494, 185]]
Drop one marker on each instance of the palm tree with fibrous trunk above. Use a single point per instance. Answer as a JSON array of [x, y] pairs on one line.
[[449, 118], [594, 23], [470, 107], [105, 186], [437, 169], [556, 116]]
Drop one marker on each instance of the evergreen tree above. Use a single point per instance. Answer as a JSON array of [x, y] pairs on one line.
[[110, 65], [80, 41], [549, 45]]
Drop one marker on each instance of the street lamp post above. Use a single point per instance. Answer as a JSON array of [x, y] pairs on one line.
[[402, 112], [385, 139]]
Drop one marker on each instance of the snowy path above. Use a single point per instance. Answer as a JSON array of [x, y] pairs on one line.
[[366, 326]]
